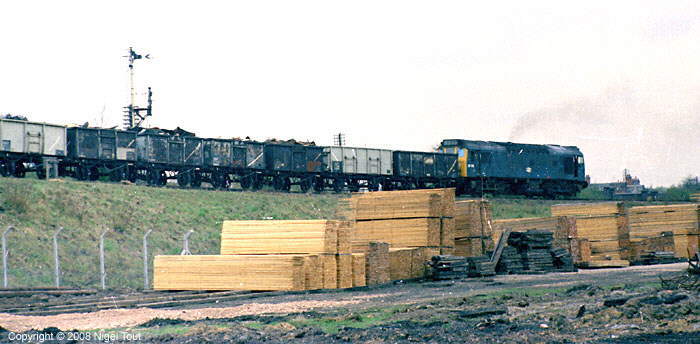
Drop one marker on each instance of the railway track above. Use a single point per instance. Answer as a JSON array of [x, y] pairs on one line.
[[45, 301]]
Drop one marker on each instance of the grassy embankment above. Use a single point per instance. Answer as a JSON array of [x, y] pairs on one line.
[[34, 207]]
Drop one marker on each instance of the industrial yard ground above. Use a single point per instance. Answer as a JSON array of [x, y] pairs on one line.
[[607, 306], [35, 207]]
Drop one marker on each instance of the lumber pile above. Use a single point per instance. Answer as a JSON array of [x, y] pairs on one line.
[[678, 221], [414, 224], [695, 197], [229, 272], [473, 228], [268, 255], [563, 229], [604, 227], [377, 263]]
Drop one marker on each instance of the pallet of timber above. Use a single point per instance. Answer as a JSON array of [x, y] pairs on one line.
[[649, 221], [229, 272], [359, 279], [473, 247], [329, 270], [377, 263], [588, 209], [312, 273], [602, 228], [400, 263], [398, 233], [472, 218], [399, 204], [344, 271], [605, 264], [283, 237]]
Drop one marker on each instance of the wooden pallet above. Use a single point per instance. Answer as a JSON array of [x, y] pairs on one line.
[[588, 209], [229, 272], [285, 237], [398, 233]]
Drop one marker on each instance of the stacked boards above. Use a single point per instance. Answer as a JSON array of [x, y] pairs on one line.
[[416, 218], [604, 227], [473, 228], [414, 224], [266, 255], [648, 224]]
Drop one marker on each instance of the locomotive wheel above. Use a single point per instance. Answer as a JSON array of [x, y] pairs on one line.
[[338, 184], [246, 182], [319, 184], [94, 174], [306, 185], [183, 179]]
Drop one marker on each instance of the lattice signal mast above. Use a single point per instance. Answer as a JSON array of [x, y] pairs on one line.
[[134, 115], [339, 139]]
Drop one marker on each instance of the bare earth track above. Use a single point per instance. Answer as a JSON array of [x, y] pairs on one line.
[[516, 308]]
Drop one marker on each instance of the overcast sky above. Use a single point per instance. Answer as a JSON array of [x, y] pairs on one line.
[[618, 79]]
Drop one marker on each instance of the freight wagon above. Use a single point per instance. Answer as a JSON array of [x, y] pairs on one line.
[[26, 146]]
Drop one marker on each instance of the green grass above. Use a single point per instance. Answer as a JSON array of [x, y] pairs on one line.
[[363, 319], [34, 207]]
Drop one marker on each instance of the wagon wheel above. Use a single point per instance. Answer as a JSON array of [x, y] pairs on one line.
[[94, 173], [306, 184], [281, 183], [117, 175], [19, 171], [40, 172], [131, 174], [81, 173], [319, 184], [246, 182], [153, 177], [5, 168], [162, 179], [257, 183], [184, 179], [196, 180], [338, 184]]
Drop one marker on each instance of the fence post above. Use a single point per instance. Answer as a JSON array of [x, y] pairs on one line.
[[4, 255], [103, 274], [186, 243], [57, 262], [146, 284]]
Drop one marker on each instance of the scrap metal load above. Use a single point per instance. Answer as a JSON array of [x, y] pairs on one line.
[[387, 236]]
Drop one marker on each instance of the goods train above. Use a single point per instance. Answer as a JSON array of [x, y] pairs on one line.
[[156, 156]]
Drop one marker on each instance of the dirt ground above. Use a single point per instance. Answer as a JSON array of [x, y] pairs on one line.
[[607, 305]]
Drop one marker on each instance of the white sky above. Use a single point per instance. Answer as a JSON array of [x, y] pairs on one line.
[[619, 79]]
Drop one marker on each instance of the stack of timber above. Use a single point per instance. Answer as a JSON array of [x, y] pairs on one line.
[[473, 228], [695, 197], [415, 224], [604, 226], [267, 255], [377, 263], [229, 272], [679, 220]]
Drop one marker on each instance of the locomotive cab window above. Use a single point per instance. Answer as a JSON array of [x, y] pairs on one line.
[[580, 160]]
